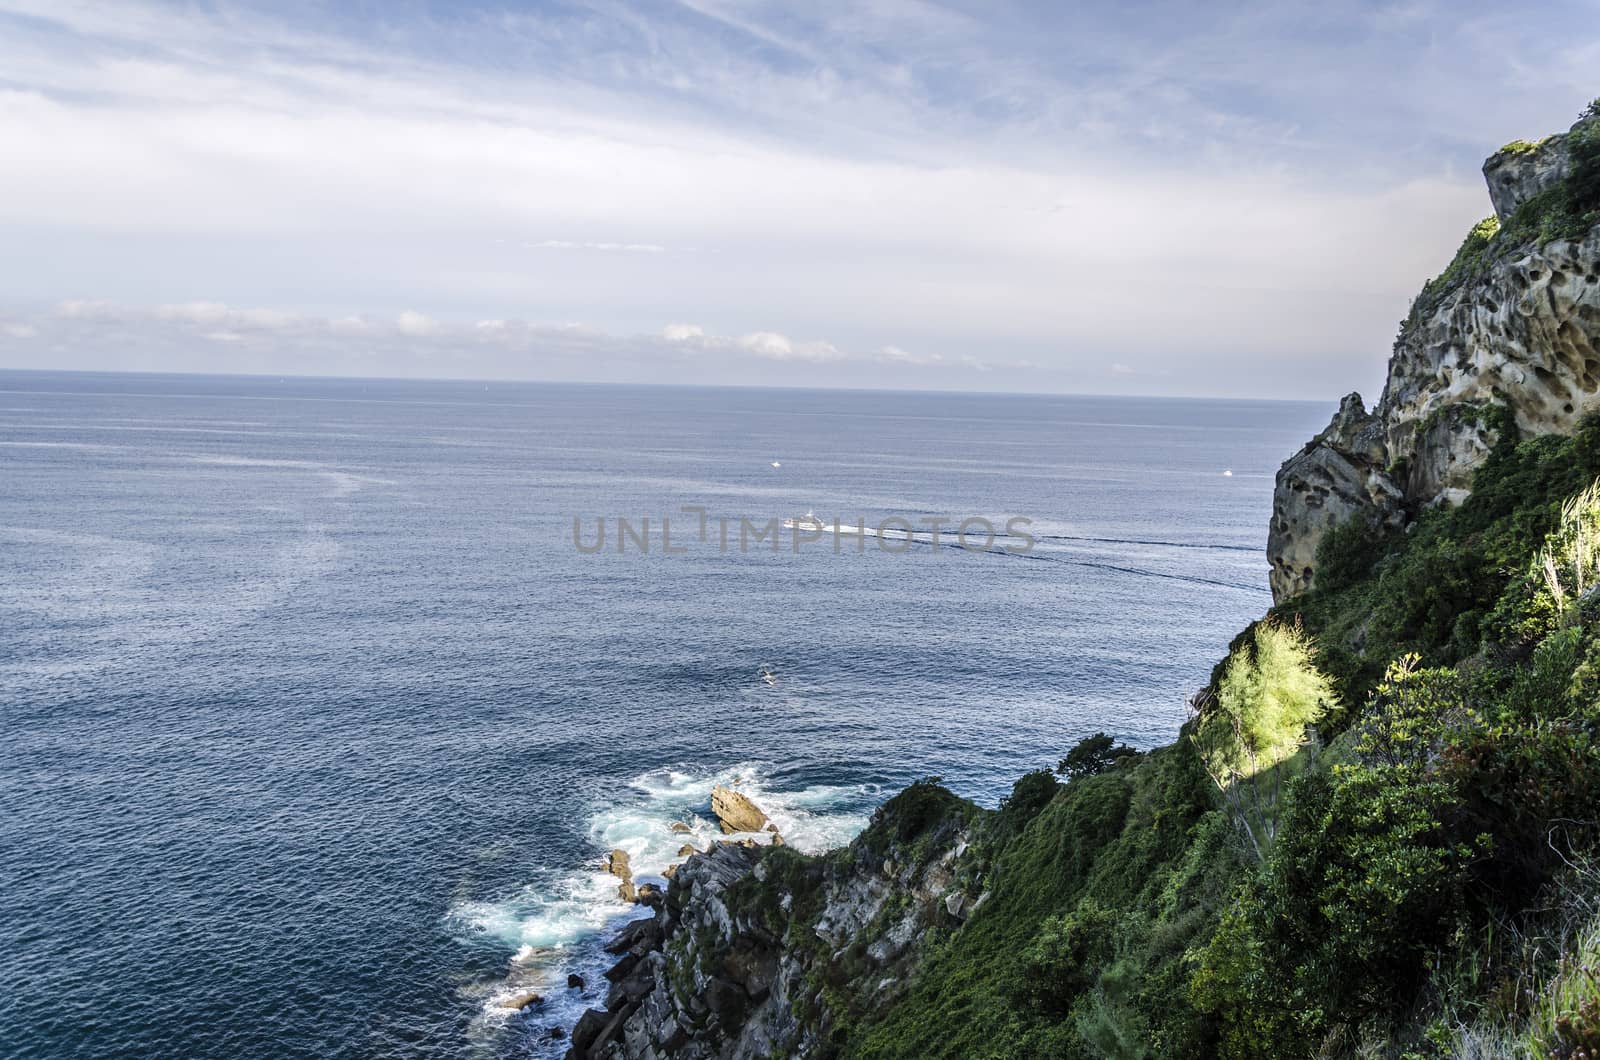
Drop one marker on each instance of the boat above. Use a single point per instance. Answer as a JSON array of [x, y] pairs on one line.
[[808, 522]]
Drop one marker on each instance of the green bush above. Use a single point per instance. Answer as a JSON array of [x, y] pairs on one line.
[[1029, 795], [1095, 754]]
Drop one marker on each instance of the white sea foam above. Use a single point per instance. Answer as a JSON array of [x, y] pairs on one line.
[[551, 924]]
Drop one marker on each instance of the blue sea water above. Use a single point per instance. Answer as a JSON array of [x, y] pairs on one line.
[[317, 722]]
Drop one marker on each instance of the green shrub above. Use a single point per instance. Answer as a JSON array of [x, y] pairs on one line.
[[1059, 964], [1095, 754], [1347, 554], [1029, 795], [1256, 718], [1583, 174]]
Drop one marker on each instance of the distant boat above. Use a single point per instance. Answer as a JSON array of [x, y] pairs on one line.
[[1228, 473], [808, 522], [812, 525], [776, 464]]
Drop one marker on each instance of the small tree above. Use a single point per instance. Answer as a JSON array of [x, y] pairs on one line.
[[1094, 754], [1255, 720]]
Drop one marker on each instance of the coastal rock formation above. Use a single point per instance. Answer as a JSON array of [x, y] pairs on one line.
[[1513, 325], [1338, 474], [736, 812], [1519, 171], [737, 959], [618, 865]]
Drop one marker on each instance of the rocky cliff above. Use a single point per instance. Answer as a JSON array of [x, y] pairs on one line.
[[759, 951], [1508, 334]]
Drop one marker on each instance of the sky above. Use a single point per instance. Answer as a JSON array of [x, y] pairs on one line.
[[1223, 199]]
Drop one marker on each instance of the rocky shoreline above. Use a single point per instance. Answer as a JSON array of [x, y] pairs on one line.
[[633, 976], [749, 937]]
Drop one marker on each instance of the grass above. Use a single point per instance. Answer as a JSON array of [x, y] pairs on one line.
[[1554, 1001]]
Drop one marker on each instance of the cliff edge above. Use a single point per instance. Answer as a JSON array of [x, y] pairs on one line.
[[1508, 334]]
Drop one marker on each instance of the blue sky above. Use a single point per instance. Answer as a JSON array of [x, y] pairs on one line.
[[1231, 198]]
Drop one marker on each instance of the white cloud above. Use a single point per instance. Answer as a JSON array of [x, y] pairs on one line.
[[411, 323], [682, 332], [895, 355], [767, 344], [19, 331]]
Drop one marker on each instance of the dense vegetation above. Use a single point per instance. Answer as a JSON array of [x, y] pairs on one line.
[[1424, 734]]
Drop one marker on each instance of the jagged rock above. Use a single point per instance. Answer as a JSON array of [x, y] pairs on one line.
[[649, 895], [723, 983], [686, 850], [736, 812], [586, 1032], [1516, 174], [575, 981], [679, 828], [727, 1001], [623, 968], [1521, 329], [753, 965], [669, 872], [1338, 474], [628, 991], [642, 934], [618, 865], [626, 891]]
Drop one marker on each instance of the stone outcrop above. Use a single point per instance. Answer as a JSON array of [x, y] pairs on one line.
[[618, 865], [734, 962], [1339, 474], [736, 812], [1519, 171], [1517, 327]]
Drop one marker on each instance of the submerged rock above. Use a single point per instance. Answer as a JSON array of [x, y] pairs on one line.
[[518, 1002]]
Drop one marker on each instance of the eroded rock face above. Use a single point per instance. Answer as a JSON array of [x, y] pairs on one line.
[[1340, 473], [1526, 334], [1522, 332], [717, 972], [1518, 172]]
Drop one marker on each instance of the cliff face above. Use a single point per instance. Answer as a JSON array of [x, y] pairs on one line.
[[1514, 322], [760, 952]]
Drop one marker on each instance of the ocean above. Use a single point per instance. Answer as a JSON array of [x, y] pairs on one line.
[[318, 719]]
